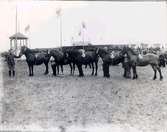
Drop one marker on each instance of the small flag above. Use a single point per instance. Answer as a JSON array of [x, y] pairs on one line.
[[83, 25], [27, 28], [58, 12]]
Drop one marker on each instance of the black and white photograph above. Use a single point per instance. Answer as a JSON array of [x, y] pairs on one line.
[[83, 66]]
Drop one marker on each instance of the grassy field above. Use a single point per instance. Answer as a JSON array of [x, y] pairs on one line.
[[87, 104]]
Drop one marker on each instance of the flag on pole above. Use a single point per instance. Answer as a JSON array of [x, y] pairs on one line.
[[27, 28], [83, 25], [58, 12]]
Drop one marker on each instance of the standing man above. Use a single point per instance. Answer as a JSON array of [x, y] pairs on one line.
[[127, 67], [11, 62]]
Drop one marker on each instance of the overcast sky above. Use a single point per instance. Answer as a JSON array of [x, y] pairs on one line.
[[106, 22]]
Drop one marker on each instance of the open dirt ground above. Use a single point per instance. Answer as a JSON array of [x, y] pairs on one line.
[[87, 104]]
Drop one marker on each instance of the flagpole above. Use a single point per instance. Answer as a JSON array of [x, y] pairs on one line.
[[16, 30], [16, 20], [59, 15], [166, 19], [83, 37], [61, 32]]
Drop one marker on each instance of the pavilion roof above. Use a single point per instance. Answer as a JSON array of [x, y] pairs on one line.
[[18, 36]]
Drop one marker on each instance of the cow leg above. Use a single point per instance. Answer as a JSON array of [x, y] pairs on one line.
[[61, 66], [155, 72], [80, 70], [57, 66], [123, 66], [73, 68], [9, 73], [134, 72], [13, 72], [29, 67], [104, 70], [160, 74], [108, 71], [54, 69], [96, 65], [32, 70], [92, 68], [70, 68], [124, 75], [47, 69]]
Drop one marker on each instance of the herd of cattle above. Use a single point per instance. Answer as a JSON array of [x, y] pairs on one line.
[[90, 56]]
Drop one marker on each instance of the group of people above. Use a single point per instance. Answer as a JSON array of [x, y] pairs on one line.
[[71, 56]]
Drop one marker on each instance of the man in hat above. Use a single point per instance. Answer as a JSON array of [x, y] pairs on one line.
[[127, 67], [11, 62]]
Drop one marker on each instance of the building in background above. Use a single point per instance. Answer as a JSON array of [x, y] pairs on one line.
[[17, 40], [81, 43]]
